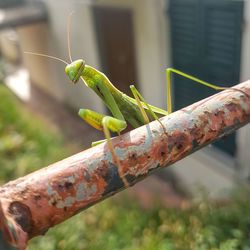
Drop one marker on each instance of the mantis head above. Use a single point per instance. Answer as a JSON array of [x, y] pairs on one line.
[[75, 69]]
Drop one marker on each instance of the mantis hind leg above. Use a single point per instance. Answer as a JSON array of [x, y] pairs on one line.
[[195, 79]]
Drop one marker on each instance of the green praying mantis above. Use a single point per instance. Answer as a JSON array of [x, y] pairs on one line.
[[125, 109]]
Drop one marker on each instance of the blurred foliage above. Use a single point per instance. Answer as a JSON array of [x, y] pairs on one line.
[[121, 224], [26, 144]]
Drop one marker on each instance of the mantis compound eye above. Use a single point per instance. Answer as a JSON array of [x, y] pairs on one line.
[[75, 70]]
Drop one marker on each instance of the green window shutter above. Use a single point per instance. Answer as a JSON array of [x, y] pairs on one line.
[[222, 40], [185, 38], [206, 42]]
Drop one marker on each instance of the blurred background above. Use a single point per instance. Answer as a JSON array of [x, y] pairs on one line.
[[132, 42]]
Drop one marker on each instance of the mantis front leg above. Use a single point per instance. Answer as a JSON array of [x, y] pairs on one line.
[[102, 122], [106, 124]]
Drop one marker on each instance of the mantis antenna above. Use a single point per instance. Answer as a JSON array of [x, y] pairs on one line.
[[44, 55], [68, 44], [68, 34]]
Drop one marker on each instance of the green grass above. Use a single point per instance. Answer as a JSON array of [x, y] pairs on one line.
[[26, 145], [124, 225]]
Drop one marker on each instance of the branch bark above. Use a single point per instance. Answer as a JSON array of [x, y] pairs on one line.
[[30, 205]]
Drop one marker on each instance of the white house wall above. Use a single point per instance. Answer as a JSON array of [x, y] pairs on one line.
[[243, 135]]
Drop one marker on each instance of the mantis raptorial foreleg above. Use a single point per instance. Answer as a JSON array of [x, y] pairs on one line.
[[106, 124]]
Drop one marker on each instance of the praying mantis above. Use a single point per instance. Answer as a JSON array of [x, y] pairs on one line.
[[125, 109]]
